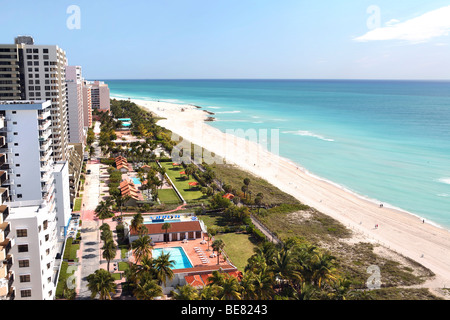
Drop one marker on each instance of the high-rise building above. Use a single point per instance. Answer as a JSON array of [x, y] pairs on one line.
[[87, 105], [7, 291], [12, 85], [100, 98], [44, 76], [75, 117], [37, 72], [39, 191]]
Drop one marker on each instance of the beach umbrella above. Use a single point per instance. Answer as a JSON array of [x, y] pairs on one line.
[[192, 184], [175, 164], [182, 172]]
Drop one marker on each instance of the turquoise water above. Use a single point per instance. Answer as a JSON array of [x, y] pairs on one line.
[[136, 181], [177, 254], [385, 140]]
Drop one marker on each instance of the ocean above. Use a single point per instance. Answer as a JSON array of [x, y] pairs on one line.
[[388, 141]]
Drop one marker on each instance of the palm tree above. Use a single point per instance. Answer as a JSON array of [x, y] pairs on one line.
[[136, 222], [263, 283], [324, 269], [142, 247], [163, 268], [247, 287], [217, 246], [186, 292], [166, 226], [147, 289], [101, 282], [285, 268], [102, 211], [230, 289], [120, 200], [109, 251]]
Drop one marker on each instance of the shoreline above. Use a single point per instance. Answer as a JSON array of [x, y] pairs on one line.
[[426, 243]]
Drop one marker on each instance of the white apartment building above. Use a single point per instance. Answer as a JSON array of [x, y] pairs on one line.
[[39, 209], [44, 77], [74, 82], [7, 291]]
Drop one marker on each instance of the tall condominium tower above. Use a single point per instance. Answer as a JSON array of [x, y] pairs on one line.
[[74, 83], [87, 104], [39, 203], [37, 72], [7, 291], [44, 76], [100, 98]]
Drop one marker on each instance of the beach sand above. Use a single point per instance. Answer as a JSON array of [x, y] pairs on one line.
[[397, 230]]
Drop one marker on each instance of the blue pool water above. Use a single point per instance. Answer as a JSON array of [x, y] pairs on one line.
[[136, 181], [177, 254]]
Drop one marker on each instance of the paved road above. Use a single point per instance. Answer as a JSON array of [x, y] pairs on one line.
[[89, 256]]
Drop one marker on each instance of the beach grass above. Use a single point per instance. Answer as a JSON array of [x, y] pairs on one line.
[[234, 176]]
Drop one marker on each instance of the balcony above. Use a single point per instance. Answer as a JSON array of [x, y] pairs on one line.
[[2, 159], [5, 229], [3, 177], [2, 141], [45, 125], [4, 194], [4, 212]]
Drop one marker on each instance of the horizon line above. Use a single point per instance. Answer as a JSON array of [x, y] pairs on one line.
[[272, 79]]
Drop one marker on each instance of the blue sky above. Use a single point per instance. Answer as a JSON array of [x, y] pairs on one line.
[[169, 39]]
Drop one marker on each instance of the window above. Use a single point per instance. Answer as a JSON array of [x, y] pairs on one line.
[[16, 133], [25, 278], [19, 196], [19, 186], [14, 122], [35, 50], [24, 263], [16, 154], [22, 233], [25, 293], [45, 50], [47, 237], [22, 248], [14, 112]]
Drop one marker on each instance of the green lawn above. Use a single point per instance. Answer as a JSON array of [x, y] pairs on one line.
[[77, 205], [168, 196], [239, 247], [190, 194]]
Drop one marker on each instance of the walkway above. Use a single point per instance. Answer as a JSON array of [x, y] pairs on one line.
[[89, 253]]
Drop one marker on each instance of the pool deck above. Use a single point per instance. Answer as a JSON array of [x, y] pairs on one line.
[[194, 257]]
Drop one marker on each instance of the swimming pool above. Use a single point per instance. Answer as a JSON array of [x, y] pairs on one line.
[[177, 254], [136, 181]]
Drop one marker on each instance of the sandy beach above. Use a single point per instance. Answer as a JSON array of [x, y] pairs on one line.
[[400, 231]]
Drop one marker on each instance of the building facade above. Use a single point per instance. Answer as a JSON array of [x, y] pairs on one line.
[[100, 97], [37, 215], [74, 82]]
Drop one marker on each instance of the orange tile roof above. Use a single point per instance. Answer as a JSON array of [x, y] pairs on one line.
[[194, 280]]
